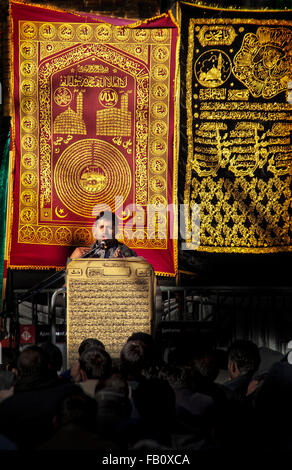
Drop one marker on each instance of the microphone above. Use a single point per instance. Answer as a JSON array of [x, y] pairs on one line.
[[102, 245]]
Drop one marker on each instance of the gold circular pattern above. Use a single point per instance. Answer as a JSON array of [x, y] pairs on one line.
[[28, 142], [157, 184], [28, 197], [47, 31], [159, 128], [27, 49], [122, 34], [93, 178], [44, 234], [63, 235], [160, 53], [29, 30], [158, 165], [27, 68], [108, 97], [28, 161], [141, 35], [28, 179], [212, 68], [82, 236], [158, 147], [138, 50], [62, 96], [28, 124], [26, 233], [103, 32], [66, 32], [28, 87], [28, 215], [160, 72], [159, 109], [158, 200], [159, 90], [28, 105], [160, 35], [84, 32], [91, 172]]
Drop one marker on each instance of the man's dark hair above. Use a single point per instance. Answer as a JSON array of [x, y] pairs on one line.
[[107, 215], [96, 363], [146, 339], [245, 354], [141, 336], [90, 343], [54, 354], [32, 362], [133, 358]]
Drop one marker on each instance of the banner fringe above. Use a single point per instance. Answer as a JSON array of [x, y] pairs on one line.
[[136, 23], [214, 6]]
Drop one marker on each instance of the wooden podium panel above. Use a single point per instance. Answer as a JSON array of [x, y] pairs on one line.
[[108, 299]]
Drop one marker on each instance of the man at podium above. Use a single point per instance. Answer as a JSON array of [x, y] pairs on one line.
[[106, 245]]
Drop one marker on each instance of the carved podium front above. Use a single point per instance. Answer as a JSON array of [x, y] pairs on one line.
[[108, 299]]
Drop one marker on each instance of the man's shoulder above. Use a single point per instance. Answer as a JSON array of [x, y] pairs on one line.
[[125, 250]]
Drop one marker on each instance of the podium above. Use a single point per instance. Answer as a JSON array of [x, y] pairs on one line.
[[108, 299]]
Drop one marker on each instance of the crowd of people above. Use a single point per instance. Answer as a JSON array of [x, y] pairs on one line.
[[140, 402]]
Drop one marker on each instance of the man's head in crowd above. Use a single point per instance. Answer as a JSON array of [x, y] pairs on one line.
[[95, 363], [243, 358], [55, 358], [133, 358], [147, 340], [90, 343], [32, 364]]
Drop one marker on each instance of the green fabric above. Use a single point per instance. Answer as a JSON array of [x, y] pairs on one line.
[[3, 201]]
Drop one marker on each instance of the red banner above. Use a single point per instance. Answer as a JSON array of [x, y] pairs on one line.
[[93, 128]]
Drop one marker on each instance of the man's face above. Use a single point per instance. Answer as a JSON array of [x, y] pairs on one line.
[[104, 230]]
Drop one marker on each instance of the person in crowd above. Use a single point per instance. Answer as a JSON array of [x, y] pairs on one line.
[[75, 426], [73, 374], [196, 403], [114, 406], [89, 343], [106, 245], [95, 365], [204, 369], [243, 362], [134, 358], [26, 416], [9, 359], [55, 358], [152, 349], [33, 370], [7, 383]]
